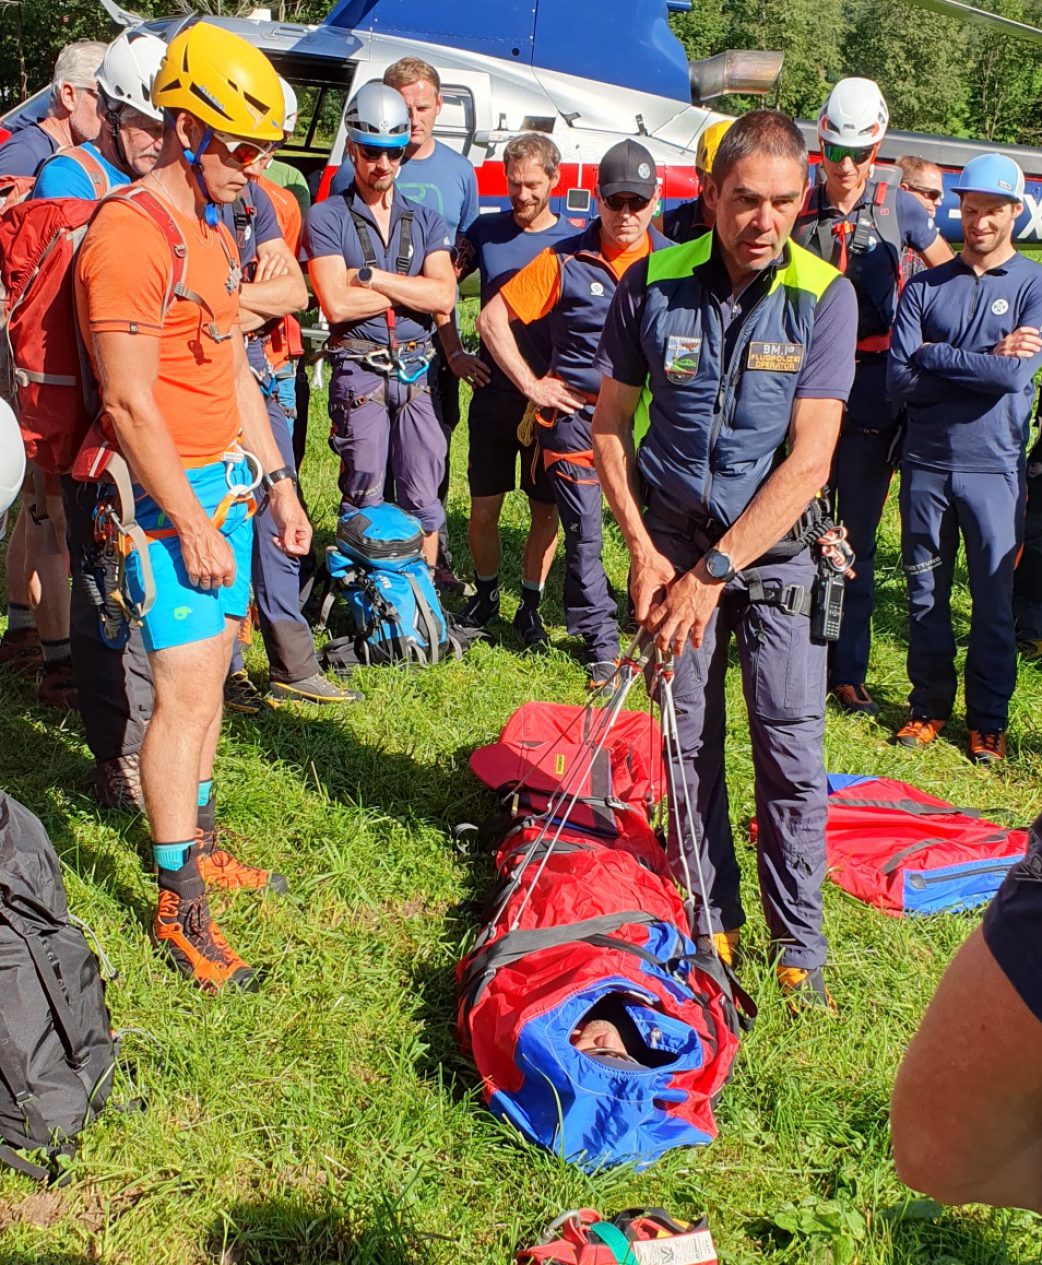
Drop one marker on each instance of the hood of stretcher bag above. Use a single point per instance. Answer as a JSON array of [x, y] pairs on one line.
[[381, 534]]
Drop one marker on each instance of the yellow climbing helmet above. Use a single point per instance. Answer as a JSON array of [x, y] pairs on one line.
[[709, 143], [223, 80]]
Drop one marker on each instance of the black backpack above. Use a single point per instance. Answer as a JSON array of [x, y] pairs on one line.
[[57, 1050]]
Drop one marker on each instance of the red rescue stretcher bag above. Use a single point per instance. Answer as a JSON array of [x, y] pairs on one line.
[[906, 852], [588, 923]]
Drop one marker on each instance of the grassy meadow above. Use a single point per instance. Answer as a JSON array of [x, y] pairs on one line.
[[331, 1118]]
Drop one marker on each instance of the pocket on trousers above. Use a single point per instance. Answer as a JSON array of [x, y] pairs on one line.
[[788, 669]]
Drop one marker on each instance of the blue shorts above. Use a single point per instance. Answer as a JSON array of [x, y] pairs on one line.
[[182, 614]]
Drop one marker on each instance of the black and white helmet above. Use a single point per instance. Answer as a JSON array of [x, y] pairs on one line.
[[378, 115], [127, 70]]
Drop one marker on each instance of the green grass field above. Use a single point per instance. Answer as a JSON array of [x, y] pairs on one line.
[[330, 1118]]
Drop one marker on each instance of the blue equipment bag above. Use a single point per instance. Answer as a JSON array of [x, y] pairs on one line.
[[390, 608]]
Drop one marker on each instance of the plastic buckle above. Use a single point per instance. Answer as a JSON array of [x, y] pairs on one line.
[[791, 598]]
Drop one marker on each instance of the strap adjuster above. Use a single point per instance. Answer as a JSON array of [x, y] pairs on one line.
[[792, 598]]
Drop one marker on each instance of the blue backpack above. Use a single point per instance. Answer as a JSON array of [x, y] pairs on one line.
[[390, 610]]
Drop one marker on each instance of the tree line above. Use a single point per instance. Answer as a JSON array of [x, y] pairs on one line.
[[938, 74]]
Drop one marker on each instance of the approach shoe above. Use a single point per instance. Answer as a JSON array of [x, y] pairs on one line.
[[20, 651], [1030, 651], [726, 943], [117, 783], [219, 869], [316, 689], [918, 731], [855, 699], [805, 990], [601, 674], [185, 931], [57, 687], [241, 695], [479, 611], [987, 746], [529, 626], [447, 581]]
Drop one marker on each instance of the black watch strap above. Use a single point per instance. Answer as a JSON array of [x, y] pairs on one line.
[[268, 481]]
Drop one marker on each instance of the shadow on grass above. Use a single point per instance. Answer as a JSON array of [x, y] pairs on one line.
[[292, 1232], [36, 1256]]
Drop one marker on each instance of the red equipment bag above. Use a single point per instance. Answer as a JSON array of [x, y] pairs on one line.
[[906, 852], [640, 1236]]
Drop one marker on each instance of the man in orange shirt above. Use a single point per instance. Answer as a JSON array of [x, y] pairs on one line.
[[178, 394], [572, 283]]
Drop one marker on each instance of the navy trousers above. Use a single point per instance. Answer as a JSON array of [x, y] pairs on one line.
[[783, 679], [937, 506]]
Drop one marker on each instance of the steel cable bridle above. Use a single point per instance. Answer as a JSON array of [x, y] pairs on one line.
[[665, 673], [630, 669]]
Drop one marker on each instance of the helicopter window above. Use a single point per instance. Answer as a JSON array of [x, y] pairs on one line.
[[321, 108], [578, 201], [456, 121]]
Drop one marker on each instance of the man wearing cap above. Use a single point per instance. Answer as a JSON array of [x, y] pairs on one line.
[[572, 283], [965, 350], [691, 219], [864, 227]]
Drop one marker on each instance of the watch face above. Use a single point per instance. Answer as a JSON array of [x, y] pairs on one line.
[[365, 275], [718, 564]]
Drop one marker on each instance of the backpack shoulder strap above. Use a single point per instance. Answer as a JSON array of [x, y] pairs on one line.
[[401, 265], [96, 173]]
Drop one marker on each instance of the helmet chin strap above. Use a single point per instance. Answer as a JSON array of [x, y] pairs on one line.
[[212, 213]]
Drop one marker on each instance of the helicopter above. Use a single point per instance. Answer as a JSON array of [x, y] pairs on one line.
[[521, 66]]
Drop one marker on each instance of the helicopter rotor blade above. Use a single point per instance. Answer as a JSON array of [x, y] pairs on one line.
[[981, 17]]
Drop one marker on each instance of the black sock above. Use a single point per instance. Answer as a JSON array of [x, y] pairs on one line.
[[487, 587], [531, 595]]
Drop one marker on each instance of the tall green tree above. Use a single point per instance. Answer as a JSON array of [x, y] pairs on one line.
[[1005, 81], [807, 32]]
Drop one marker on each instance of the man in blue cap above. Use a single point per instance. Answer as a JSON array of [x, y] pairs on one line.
[[966, 347]]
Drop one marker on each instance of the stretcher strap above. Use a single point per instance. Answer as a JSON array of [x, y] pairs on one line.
[[912, 806]]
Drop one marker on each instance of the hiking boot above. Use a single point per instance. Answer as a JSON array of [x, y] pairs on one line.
[[185, 931], [726, 946], [117, 783], [57, 686], [601, 674], [313, 689], [805, 990], [529, 626], [855, 699], [918, 731], [987, 746], [241, 695], [20, 651], [219, 869], [479, 611], [1030, 651], [447, 581]]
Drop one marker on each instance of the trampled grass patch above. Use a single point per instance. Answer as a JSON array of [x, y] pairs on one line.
[[330, 1118]]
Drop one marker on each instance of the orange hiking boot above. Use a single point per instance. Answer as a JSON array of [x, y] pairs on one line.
[[918, 731], [184, 929], [726, 946], [987, 746], [805, 990], [219, 869]]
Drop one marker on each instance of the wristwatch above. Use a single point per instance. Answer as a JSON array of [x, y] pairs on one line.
[[719, 565], [365, 277], [268, 481]]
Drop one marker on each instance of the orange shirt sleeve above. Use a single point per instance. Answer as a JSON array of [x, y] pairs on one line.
[[123, 271], [534, 291], [287, 212]]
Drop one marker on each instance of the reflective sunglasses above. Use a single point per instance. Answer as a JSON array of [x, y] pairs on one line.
[[626, 202], [375, 152], [836, 153], [932, 195], [244, 152]]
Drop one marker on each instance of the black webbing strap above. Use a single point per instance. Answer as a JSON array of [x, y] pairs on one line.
[[793, 599], [365, 240], [61, 1014], [14, 1074], [13, 1160]]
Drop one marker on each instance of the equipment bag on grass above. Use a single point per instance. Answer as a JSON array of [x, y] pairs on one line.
[[639, 1236], [907, 852], [389, 610], [57, 1051]]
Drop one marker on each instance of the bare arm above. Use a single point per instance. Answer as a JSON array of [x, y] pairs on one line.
[[938, 252], [340, 299], [498, 337], [433, 291], [966, 1114], [471, 368], [277, 289]]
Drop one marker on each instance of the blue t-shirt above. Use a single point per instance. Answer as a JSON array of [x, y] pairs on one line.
[[255, 224], [445, 182], [967, 408], [499, 248], [330, 230], [23, 153], [64, 177]]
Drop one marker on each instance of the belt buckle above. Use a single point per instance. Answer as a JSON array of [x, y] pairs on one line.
[[791, 598]]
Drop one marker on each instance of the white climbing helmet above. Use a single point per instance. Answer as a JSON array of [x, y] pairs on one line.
[[127, 70], [378, 115], [854, 114]]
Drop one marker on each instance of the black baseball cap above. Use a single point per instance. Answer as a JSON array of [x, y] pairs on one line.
[[627, 168]]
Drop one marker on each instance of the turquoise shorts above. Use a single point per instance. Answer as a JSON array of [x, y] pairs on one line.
[[182, 614]]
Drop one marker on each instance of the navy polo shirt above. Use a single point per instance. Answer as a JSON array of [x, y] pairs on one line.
[[25, 151], [968, 409], [1013, 926], [261, 225], [330, 230], [499, 248]]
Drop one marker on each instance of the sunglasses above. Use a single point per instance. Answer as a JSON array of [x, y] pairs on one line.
[[244, 152], [376, 152], [836, 153], [932, 195], [626, 202]]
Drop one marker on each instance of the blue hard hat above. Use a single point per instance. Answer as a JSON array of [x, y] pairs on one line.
[[992, 173]]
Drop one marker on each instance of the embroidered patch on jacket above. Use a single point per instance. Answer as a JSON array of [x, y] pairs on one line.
[[682, 357], [775, 357]]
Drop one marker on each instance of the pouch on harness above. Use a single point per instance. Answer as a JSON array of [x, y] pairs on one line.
[[57, 1051], [906, 852], [588, 924], [389, 607]]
